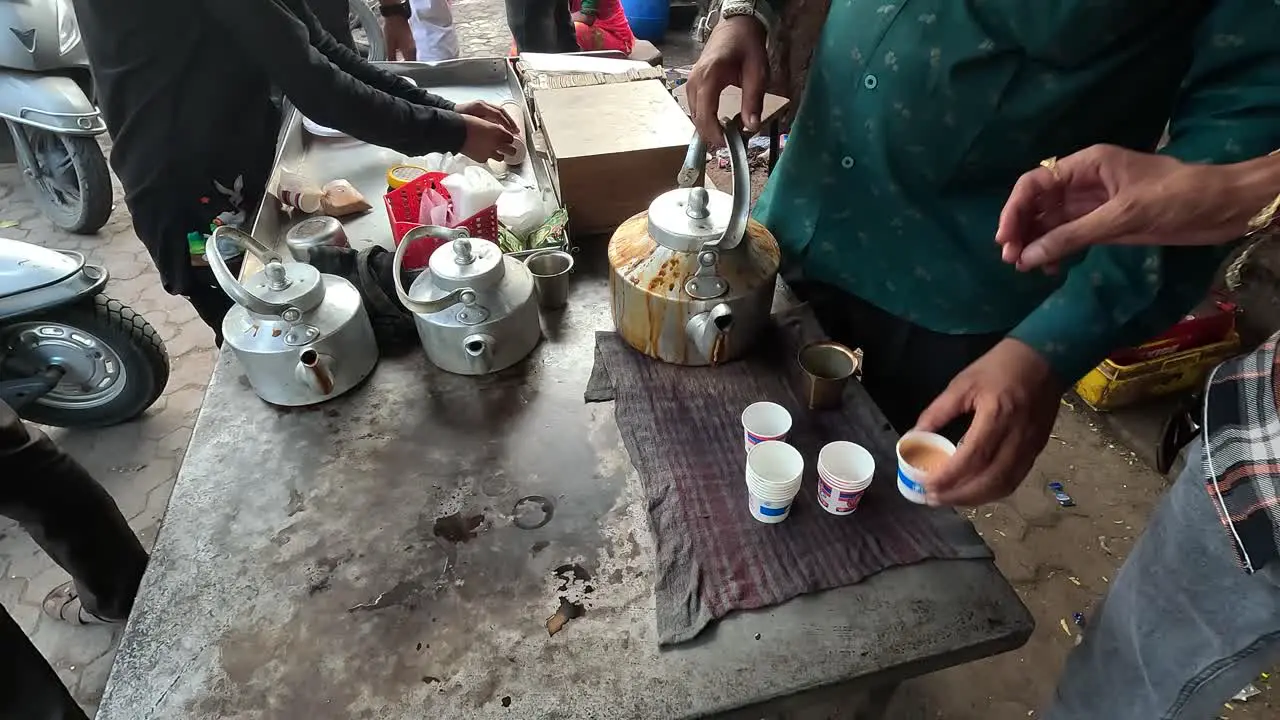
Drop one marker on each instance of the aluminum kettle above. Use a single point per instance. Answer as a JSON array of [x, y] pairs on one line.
[[474, 307], [301, 336]]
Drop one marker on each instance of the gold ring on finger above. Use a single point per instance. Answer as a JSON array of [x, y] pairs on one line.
[[1051, 164]]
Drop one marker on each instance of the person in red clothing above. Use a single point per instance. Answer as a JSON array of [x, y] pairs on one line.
[[602, 25]]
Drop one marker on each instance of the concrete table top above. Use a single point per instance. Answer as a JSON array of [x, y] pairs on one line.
[[365, 559]]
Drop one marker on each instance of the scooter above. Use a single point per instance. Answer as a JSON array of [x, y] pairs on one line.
[[71, 356], [46, 94]]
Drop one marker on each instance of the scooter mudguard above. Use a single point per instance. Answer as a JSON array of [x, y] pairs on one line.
[[34, 278], [48, 102]]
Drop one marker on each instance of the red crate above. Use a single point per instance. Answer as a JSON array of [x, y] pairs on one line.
[[404, 205]]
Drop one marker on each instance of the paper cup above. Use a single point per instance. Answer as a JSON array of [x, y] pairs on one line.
[[774, 472], [764, 421], [845, 471], [912, 480]]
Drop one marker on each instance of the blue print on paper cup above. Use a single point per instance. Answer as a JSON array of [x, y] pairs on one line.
[[769, 511]]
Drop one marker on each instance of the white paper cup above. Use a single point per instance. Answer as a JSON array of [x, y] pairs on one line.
[[774, 472], [845, 471], [912, 480], [764, 421]]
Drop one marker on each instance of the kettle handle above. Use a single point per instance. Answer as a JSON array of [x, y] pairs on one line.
[[228, 282], [695, 161], [465, 296]]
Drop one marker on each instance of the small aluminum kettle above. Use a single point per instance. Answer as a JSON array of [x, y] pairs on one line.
[[474, 307], [301, 336], [693, 278]]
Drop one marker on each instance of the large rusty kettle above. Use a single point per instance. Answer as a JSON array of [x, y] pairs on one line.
[[693, 277]]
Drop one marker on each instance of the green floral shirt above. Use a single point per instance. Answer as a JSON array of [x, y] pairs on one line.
[[918, 117]]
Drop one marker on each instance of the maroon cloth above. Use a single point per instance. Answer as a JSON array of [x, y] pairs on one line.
[[682, 429]]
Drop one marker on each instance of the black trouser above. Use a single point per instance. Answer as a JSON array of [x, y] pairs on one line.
[[543, 26], [77, 523], [905, 366], [334, 16], [210, 302]]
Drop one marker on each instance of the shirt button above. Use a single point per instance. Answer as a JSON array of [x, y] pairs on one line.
[[846, 162], [870, 82]]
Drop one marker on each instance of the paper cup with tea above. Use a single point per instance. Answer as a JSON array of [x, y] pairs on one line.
[[920, 454], [763, 421]]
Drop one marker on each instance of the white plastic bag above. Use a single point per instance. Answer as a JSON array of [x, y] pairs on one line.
[[521, 209], [447, 163], [471, 191]]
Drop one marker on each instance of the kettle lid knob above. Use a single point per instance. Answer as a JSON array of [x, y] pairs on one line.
[[277, 276], [462, 253]]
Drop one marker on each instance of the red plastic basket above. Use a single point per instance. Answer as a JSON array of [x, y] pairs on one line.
[[404, 205]]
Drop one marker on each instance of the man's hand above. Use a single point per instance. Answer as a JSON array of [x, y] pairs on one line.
[[1106, 195], [1014, 398], [734, 55], [487, 111], [487, 140], [399, 36]]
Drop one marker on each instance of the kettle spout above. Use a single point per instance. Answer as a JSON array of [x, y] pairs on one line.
[[707, 330], [315, 371], [479, 352]]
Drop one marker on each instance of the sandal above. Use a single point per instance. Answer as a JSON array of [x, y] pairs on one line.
[[63, 603]]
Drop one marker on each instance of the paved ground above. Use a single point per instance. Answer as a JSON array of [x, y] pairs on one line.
[[1054, 556]]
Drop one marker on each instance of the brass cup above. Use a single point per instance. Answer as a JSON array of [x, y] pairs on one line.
[[827, 368]]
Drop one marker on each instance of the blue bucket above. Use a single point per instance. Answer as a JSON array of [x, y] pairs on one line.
[[649, 19]]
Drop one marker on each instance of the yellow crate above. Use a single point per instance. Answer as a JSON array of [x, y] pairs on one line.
[[1110, 386]]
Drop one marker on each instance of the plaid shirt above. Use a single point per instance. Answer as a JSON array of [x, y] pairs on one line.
[[1242, 452]]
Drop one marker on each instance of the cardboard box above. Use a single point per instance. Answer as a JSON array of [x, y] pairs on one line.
[[614, 148]]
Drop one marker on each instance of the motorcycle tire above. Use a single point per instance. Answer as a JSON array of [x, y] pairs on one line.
[[87, 214], [370, 43], [138, 346]]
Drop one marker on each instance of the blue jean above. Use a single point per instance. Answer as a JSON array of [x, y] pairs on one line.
[[1183, 627]]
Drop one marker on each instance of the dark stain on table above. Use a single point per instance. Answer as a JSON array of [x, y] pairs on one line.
[[457, 528]]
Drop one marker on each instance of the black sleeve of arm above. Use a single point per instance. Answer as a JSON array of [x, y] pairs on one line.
[[351, 63], [274, 37]]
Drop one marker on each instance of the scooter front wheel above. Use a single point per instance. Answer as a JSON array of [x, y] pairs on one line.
[[68, 175], [114, 363]]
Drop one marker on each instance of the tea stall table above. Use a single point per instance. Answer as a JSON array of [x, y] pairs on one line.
[[364, 559]]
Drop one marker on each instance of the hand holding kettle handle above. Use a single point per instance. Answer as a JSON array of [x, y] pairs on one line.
[[465, 296], [695, 159], [228, 282]]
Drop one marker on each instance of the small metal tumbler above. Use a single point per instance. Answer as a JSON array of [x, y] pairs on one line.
[[827, 368], [314, 232], [550, 270]]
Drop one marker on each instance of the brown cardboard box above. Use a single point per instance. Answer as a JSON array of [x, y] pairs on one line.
[[614, 148]]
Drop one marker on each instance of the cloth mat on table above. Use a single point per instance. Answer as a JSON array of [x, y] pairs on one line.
[[682, 428]]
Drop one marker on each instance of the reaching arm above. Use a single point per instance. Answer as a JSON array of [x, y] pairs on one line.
[[279, 40], [351, 63], [1229, 111]]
